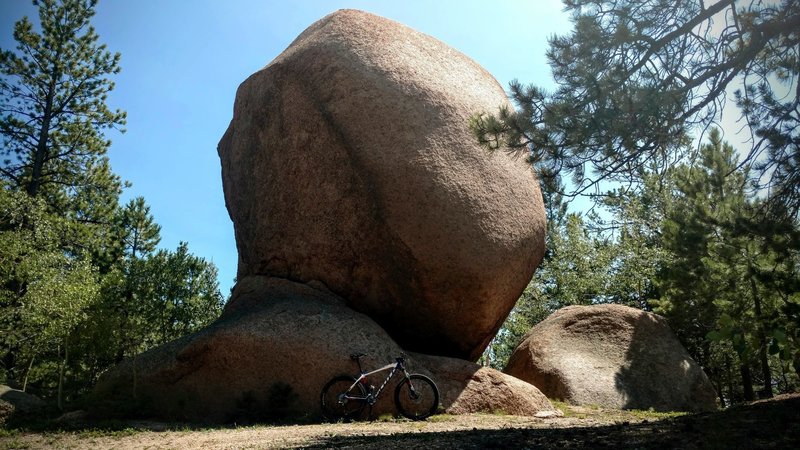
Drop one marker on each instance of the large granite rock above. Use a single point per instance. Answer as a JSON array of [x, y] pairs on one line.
[[349, 162], [612, 356], [269, 356]]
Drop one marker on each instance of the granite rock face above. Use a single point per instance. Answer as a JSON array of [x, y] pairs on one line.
[[612, 356], [349, 163], [272, 351]]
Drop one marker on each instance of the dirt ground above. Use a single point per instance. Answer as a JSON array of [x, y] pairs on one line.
[[766, 424]]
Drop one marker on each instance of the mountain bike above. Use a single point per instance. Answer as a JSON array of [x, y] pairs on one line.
[[344, 397]]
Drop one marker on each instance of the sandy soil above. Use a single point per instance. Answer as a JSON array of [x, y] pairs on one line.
[[767, 424]]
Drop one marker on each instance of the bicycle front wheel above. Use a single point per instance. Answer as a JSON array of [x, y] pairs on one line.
[[416, 397], [340, 402]]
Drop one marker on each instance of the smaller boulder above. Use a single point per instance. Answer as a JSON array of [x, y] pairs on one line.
[[14, 403], [466, 387], [611, 356]]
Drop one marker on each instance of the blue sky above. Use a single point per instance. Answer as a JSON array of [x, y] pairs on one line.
[[183, 60]]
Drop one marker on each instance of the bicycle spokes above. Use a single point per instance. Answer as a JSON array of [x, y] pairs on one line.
[[416, 397], [342, 398]]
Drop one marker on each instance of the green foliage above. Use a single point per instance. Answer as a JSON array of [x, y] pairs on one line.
[[710, 242], [140, 233], [181, 291], [47, 292], [726, 284], [576, 272]]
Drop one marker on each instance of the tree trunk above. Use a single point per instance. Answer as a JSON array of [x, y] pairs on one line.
[[762, 337], [40, 155], [61, 377], [721, 395], [765, 370], [747, 382], [135, 377], [729, 368], [786, 387], [27, 372]]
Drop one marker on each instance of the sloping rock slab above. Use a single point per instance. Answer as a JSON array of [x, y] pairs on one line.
[[270, 354], [612, 356]]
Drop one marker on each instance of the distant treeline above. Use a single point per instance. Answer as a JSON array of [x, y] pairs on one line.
[[82, 281]]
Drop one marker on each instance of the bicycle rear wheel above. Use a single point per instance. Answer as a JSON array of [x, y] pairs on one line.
[[416, 397], [339, 401]]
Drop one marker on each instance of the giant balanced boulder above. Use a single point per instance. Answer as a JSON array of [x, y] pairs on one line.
[[613, 356], [349, 162]]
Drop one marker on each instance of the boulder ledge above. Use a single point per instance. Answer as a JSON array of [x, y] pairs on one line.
[[269, 357]]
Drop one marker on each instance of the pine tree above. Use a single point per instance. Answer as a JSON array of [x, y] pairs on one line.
[[53, 108], [710, 286], [141, 234]]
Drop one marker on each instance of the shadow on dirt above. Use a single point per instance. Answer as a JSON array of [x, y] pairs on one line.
[[766, 425]]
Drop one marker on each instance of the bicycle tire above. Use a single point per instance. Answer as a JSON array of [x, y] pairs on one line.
[[416, 397], [332, 408]]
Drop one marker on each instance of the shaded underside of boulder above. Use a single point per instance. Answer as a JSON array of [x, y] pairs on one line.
[[349, 162], [270, 354], [612, 356]]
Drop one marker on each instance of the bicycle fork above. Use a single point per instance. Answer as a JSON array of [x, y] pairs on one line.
[[412, 393]]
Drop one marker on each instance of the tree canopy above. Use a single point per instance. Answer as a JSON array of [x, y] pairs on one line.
[[635, 78], [83, 283], [685, 246]]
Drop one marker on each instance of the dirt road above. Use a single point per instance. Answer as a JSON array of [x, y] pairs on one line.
[[768, 424]]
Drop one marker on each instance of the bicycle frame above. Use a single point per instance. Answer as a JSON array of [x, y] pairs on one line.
[[371, 396], [415, 395]]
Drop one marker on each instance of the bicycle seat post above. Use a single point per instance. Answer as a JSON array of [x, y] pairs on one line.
[[357, 358]]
